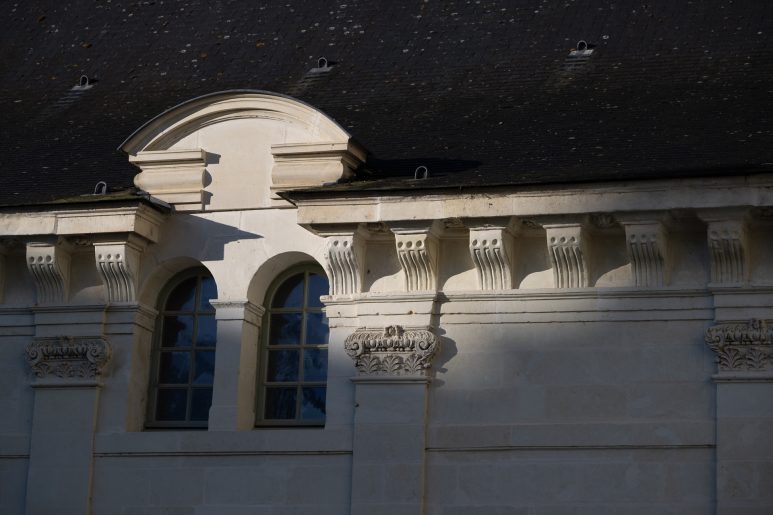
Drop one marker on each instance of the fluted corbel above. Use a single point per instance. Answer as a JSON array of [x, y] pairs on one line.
[[728, 250], [344, 258], [646, 244], [567, 247], [417, 252], [491, 249], [49, 265], [118, 265]]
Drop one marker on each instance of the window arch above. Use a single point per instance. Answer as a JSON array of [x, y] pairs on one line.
[[183, 360], [293, 356]]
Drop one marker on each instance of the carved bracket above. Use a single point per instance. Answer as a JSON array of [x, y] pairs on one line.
[[64, 361], [742, 347], [646, 246], [417, 253], [491, 250], [344, 256], [49, 265], [118, 264], [393, 351], [728, 247], [566, 246]]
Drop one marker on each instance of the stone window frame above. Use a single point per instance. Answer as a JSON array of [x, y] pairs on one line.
[[151, 421], [263, 348]]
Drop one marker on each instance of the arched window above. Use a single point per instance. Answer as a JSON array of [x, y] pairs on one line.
[[184, 352], [293, 358]]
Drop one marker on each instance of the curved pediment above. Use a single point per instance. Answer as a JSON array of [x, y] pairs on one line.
[[236, 149]]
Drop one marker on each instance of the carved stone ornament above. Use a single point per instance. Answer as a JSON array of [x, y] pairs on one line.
[[418, 256], [63, 360], [393, 351], [566, 246], [343, 262], [742, 347], [728, 242]]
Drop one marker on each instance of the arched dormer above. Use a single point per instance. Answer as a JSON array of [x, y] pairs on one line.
[[235, 149]]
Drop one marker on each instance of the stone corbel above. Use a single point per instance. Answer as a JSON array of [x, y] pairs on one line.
[[491, 249], [743, 350], [118, 264], [344, 258], [49, 265], [417, 251], [303, 165], [174, 176], [728, 249], [567, 247], [68, 361], [646, 243], [392, 351]]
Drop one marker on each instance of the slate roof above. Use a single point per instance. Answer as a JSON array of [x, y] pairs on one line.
[[479, 91]]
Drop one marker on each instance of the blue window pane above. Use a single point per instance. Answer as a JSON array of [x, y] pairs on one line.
[[316, 329], [174, 368], [201, 401], [205, 368], [280, 403], [313, 403], [315, 365], [171, 404], [178, 331], [207, 331], [285, 329], [318, 286], [282, 365], [183, 296], [208, 292], [290, 293]]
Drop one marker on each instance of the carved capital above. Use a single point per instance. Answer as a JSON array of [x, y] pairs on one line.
[[568, 255], [49, 265], [392, 351], [729, 252], [118, 264], [417, 252], [344, 254], [64, 361], [646, 246], [491, 249], [742, 347]]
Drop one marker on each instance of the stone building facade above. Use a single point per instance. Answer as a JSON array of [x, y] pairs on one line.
[[576, 348]]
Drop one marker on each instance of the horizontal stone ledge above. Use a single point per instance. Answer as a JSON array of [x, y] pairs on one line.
[[215, 453], [611, 447]]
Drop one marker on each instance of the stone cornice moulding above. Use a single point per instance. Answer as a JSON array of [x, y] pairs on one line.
[[68, 361], [491, 249], [118, 265], [743, 350], [417, 252], [392, 351], [303, 165], [567, 247], [49, 266], [647, 247], [174, 176]]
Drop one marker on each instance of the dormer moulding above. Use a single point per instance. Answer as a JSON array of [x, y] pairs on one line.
[[306, 165], [49, 266], [174, 176]]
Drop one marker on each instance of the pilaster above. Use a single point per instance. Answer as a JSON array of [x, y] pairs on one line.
[[567, 247], [238, 334], [390, 422], [744, 382], [66, 373], [49, 264], [491, 249]]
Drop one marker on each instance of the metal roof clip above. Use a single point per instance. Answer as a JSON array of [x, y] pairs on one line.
[[421, 170]]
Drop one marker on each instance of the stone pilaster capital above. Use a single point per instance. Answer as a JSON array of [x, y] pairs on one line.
[[68, 361], [237, 309], [744, 350], [392, 351]]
